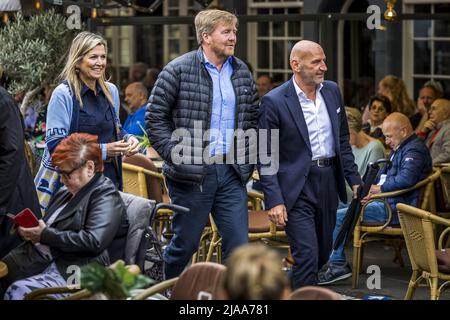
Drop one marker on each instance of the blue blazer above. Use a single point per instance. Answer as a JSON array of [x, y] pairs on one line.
[[280, 109]]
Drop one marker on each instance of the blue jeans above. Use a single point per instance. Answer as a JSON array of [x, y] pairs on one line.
[[223, 195], [374, 212]]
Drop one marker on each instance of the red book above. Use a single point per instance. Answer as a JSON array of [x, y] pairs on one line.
[[25, 218]]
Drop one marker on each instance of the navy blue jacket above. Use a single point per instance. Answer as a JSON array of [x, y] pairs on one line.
[[182, 99], [410, 164], [280, 109]]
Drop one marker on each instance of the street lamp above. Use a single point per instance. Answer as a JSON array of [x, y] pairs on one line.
[[5, 18], [390, 13]]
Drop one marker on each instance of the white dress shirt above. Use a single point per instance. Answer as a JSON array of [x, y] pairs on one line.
[[318, 122]]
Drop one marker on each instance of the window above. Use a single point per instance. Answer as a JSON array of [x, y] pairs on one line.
[[179, 39], [120, 46], [429, 40], [270, 43]]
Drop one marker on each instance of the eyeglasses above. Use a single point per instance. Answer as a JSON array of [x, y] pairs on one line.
[[67, 174]]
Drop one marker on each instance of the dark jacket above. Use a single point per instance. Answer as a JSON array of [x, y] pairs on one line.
[[182, 96], [280, 109], [411, 163], [17, 190], [82, 232]]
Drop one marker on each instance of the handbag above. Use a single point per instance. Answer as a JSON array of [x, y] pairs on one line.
[[150, 255], [47, 183]]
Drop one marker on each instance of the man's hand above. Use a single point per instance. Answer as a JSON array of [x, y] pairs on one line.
[[278, 215], [374, 189], [33, 234], [421, 108], [429, 125]]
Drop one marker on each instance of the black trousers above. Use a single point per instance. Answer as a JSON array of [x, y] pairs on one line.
[[310, 225]]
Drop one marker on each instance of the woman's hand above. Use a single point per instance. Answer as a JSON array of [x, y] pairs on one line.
[[133, 146], [33, 234], [118, 148]]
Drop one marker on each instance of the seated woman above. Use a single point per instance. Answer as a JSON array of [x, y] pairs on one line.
[[254, 272], [82, 222], [379, 109]]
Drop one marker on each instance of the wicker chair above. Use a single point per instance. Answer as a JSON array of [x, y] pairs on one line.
[[259, 228], [141, 178], [367, 232], [418, 228], [200, 281], [443, 193], [259, 225]]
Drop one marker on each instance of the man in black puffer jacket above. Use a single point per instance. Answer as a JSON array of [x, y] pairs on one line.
[[201, 109]]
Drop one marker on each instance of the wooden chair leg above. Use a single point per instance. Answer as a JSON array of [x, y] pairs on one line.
[[412, 285], [219, 252], [361, 258], [212, 245], [434, 289], [356, 257]]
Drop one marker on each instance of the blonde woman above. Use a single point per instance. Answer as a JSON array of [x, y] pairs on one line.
[[254, 272], [394, 89], [85, 102]]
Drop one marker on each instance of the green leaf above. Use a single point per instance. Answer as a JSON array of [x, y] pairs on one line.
[[116, 284], [32, 48]]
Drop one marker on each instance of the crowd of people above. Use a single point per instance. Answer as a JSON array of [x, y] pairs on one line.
[[322, 150]]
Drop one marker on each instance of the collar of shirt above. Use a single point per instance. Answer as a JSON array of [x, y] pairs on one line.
[[300, 92], [85, 88], [138, 109], [212, 66]]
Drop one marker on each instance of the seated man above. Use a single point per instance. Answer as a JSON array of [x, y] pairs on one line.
[[430, 91], [436, 131], [411, 162], [264, 84], [136, 96]]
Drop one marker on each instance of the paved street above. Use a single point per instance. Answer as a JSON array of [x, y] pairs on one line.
[[394, 279]]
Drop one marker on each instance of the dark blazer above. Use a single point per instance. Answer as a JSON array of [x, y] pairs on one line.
[[280, 109], [17, 190], [82, 232]]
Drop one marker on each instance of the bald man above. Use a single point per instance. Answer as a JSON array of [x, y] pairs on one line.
[[411, 162], [136, 96], [436, 131], [315, 159]]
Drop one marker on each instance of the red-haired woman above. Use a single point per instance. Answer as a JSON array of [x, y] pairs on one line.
[[82, 222]]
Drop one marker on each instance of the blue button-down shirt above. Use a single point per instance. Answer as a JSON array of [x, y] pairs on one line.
[[223, 108]]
